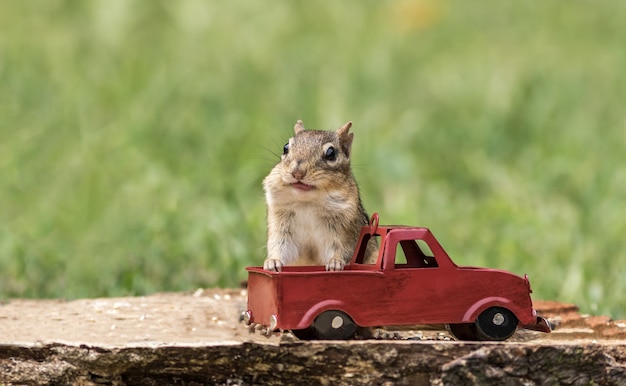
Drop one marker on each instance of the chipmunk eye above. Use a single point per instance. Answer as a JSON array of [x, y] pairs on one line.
[[331, 154], [286, 149]]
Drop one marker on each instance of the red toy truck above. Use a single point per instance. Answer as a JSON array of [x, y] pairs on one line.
[[413, 282]]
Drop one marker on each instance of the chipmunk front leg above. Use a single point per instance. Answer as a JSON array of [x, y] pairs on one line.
[[275, 254], [281, 249], [337, 260]]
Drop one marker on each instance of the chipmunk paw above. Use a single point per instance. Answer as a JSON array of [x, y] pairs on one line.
[[273, 264], [335, 264]]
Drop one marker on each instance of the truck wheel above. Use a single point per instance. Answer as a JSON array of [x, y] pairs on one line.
[[496, 323], [462, 331], [334, 325], [304, 334]]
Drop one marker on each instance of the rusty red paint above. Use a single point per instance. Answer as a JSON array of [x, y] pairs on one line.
[[427, 288]]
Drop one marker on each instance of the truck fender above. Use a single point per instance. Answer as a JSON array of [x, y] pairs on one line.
[[472, 313], [314, 311]]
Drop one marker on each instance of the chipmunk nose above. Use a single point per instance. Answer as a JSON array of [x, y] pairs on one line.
[[298, 174], [297, 171]]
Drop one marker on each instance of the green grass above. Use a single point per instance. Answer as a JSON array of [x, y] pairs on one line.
[[134, 135]]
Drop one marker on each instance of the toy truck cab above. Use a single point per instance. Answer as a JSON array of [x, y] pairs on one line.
[[413, 281]]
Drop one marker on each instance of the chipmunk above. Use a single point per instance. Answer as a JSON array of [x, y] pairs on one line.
[[314, 209]]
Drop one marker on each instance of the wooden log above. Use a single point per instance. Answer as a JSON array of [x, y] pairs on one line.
[[197, 338]]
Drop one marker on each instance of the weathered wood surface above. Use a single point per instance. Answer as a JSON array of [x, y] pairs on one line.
[[192, 339]]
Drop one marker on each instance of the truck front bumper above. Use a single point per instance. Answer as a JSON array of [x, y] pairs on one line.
[[249, 320]]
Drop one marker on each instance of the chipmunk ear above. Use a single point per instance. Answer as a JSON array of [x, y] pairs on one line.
[[299, 127], [345, 137]]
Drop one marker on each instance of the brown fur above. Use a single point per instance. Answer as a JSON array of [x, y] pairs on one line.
[[319, 223]]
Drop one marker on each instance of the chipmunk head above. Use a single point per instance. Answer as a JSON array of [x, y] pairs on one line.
[[314, 160]]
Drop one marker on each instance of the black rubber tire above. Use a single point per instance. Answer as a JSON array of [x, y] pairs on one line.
[[334, 325], [304, 334], [496, 323], [462, 331]]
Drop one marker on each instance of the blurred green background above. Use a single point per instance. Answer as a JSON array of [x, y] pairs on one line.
[[134, 135]]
